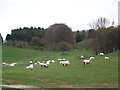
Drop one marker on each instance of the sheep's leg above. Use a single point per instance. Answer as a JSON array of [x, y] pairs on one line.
[[41, 66], [84, 63]]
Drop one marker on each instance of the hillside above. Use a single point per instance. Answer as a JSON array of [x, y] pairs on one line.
[[100, 73]]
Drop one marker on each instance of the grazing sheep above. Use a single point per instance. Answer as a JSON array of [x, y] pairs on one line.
[[48, 62], [106, 57], [30, 66], [65, 63], [35, 63], [92, 57], [30, 61], [43, 64], [12, 64], [101, 54], [61, 59], [4, 63], [52, 61], [82, 57], [87, 62]]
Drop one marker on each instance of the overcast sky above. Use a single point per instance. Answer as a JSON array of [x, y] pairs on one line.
[[42, 13]]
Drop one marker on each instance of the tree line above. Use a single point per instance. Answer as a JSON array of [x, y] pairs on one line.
[[101, 38], [56, 37]]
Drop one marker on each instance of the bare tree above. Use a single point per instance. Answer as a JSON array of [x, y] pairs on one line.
[[99, 43], [99, 23]]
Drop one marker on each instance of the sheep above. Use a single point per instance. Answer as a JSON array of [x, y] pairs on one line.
[[65, 63], [101, 54], [4, 63], [82, 57], [30, 66], [62, 59], [30, 61], [35, 63], [12, 64], [52, 61], [43, 64], [59, 59], [48, 62], [87, 61], [92, 57], [106, 57]]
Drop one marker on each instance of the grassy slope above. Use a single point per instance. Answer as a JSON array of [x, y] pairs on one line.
[[102, 73]]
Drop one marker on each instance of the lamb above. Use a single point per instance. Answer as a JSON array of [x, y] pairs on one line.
[[30, 66], [87, 61]]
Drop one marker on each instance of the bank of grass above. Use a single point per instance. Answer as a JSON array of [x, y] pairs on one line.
[[101, 73]]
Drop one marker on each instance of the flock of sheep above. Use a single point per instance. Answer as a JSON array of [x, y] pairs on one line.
[[43, 64], [63, 61], [88, 61]]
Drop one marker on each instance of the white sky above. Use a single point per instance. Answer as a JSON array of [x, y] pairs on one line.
[[42, 13]]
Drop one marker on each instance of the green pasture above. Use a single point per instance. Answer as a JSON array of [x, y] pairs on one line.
[[100, 73]]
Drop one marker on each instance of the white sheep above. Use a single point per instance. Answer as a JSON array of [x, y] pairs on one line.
[[4, 63], [101, 54], [62, 59], [43, 64], [92, 57], [82, 57], [48, 62], [59, 59], [106, 57], [87, 61], [65, 63], [30, 66], [35, 63], [30, 61], [52, 61], [12, 64]]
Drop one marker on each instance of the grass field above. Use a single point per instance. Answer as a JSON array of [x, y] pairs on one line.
[[101, 73]]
